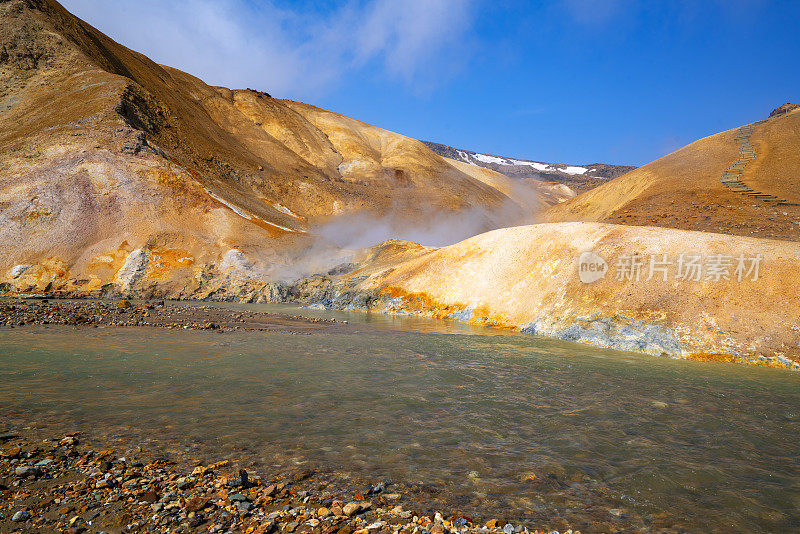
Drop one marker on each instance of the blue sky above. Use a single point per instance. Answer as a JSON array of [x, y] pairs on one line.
[[572, 81]]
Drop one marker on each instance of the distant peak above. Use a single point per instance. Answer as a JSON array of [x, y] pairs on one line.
[[786, 108]]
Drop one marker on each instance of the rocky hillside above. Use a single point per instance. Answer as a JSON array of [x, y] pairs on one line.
[[115, 169], [579, 178], [745, 181]]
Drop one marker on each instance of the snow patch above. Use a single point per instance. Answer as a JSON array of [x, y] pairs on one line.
[[231, 206], [543, 167], [252, 217], [283, 209], [282, 227], [489, 159], [574, 170]]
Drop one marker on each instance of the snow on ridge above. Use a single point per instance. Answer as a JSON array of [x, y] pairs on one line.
[[543, 167], [485, 158], [571, 169]]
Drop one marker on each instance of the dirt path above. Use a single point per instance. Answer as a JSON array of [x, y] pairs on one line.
[[748, 152]]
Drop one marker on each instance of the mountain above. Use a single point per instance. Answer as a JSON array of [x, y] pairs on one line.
[[114, 168], [624, 266], [579, 178], [743, 181]]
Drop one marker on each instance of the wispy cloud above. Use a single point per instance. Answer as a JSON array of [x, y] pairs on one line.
[[295, 53]]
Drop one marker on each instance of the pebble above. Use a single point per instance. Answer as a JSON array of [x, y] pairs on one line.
[[20, 516], [244, 506], [351, 509], [11, 452], [24, 471]]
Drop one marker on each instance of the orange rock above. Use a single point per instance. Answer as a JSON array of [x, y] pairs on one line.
[[12, 452], [199, 471], [196, 504]]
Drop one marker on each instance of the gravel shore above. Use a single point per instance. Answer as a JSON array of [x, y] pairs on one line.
[[59, 485], [157, 313]]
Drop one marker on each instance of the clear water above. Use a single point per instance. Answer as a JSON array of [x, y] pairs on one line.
[[661, 443]]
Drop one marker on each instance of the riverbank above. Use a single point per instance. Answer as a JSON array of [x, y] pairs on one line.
[[56, 484], [156, 313]]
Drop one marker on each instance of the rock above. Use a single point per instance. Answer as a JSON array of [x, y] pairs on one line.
[[460, 522], [238, 497], [782, 110], [353, 508], [25, 471], [124, 305], [196, 504], [150, 496], [196, 521], [68, 441], [508, 528], [11, 452], [199, 471], [377, 489], [266, 528], [239, 480], [323, 512], [20, 516], [302, 475], [244, 506], [492, 523]]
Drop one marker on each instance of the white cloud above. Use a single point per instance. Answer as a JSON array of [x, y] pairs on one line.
[[285, 52]]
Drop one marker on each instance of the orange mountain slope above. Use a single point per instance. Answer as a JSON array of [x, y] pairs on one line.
[[744, 181], [738, 303], [104, 153]]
